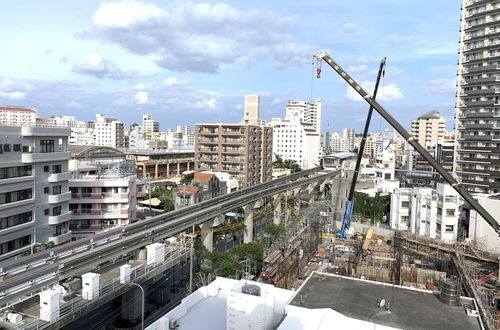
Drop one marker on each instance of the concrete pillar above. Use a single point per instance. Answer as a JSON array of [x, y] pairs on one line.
[[132, 305], [207, 237], [179, 168], [144, 171], [156, 170], [248, 236], [168, 169], [187, 166], [277, 210]]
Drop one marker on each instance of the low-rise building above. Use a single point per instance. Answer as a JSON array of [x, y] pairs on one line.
[[426, 211], [481, 234], [204, 186], [103, 191]]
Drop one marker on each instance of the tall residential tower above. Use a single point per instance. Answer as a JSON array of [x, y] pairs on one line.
[[477, 152]]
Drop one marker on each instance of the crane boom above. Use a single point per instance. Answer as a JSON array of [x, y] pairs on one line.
[[349, 209], [462, 191]]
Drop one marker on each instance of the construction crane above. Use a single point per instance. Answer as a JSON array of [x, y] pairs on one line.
[[346, 221], [462, 191]]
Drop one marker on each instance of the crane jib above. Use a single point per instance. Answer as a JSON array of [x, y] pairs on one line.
[[421, 150]]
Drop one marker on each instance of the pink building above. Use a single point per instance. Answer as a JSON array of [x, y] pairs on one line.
[[103, 195]]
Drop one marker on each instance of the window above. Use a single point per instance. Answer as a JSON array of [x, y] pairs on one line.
[[15, 172], [28, 149], [15, 244], [450, 228], [56, 168], [56, 190], [15, 220], [439, 211], [46, 146], [404, 219], [46, 168], [16, 147], [14, 196], [405, 204], [46, 190], [6, 147], [46, 212], [450, 212], [56, 210]]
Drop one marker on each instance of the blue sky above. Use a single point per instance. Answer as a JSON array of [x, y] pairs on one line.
[[187, 62]]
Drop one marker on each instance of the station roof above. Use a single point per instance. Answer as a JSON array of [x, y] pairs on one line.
[[358, 299]]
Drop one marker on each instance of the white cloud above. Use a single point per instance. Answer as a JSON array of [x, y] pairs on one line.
[[198, 37], [141, 97], [358, 69], [442, 86], [173, 81], [207, 103], [13, 95], [126, 14], [389, 92], [94, 64]]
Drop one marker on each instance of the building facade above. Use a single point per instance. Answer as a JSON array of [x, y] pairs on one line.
[[16, 116], [34, 196], [428, 128], [426, 211], [149, 126], [103, 190], [108, 132], [477, 151], [252, 110], [204, 186], [306, 112], [244, 151]]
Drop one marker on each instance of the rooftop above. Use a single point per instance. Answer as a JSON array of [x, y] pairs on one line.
[[409, 308], [433, 114], [12, 108], [203, 177]]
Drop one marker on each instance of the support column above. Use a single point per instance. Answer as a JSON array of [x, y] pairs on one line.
[[144, 171], [277, 210], [207, 237], [296, 193], [248, 236], [156, 171], [178, 168], [168, 170], [187, 166], [132, 305]]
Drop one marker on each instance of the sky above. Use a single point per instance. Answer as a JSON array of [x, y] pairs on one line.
[[188, 62]]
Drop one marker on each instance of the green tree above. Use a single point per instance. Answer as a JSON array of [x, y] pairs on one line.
[[373, 208], [187, 178]]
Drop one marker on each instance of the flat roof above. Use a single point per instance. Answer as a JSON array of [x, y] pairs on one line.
[[409, 308]]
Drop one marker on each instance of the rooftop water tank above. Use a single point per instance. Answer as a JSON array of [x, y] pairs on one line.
[[450, 291], [251, 289]]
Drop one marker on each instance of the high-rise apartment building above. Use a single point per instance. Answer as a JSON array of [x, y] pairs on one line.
[[306, 112], [428, 128], [252, 110], [13, 115], [108, 132], [244, 151], [477, 151], [34, 196], [348, 135], [149, 126]]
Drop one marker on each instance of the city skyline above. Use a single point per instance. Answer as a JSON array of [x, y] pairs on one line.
[[109, 59]]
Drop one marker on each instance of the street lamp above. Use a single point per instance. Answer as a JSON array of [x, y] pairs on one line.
[[142, 304]]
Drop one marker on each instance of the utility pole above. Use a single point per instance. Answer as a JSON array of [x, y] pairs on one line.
[[191, 264], [149, 190]]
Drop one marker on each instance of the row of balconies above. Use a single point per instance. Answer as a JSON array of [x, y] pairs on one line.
[[37, 157], [98, 196]]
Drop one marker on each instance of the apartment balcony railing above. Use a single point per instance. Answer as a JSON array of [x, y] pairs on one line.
[[61, 218], [59, 198], [44, 157], [58, 177], [61, 238]]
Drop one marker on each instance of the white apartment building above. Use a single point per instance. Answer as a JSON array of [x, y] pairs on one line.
[[338, 143], [348, 135], [103, 191], [295, 140], [34, 196], [188, 140], [80, 133], [13, 115], [108, 132], [306, 112], [426, 211], [428, 128], [149, 126], [184, 129]]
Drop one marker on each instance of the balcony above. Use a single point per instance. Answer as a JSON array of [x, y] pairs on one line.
[[479, 91], [28, 158], [477, 137], [61, 238], [18, 179], [477, 126], [58, 177], [61, 218], [17, 203], [53, 199]]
